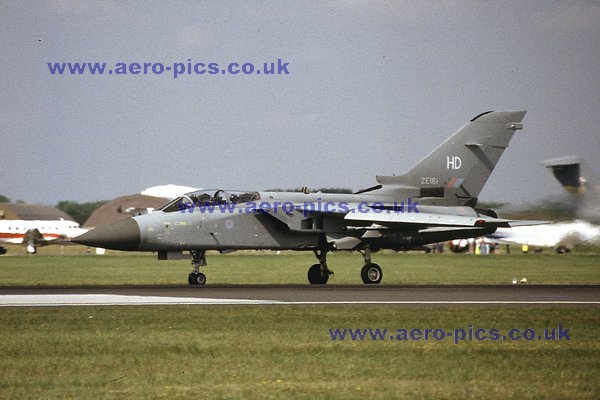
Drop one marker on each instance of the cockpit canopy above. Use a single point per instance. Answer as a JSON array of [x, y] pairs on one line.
[[209, 197]]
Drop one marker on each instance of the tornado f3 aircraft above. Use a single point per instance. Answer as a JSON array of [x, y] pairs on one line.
[[434, 202]]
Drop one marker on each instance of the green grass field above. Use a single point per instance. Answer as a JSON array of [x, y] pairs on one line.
[[291, 267], [275, 352], [281, 352]]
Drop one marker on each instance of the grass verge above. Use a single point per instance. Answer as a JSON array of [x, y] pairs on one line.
[[291, 268], [277, 352]]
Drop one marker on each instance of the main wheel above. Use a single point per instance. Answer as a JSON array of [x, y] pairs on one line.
[[197, 278], [200, 279], [316, 277], [371, 274]]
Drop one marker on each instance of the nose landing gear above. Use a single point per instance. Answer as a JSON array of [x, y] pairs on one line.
[[198, 260]]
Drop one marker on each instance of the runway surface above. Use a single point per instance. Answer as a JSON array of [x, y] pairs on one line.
[[445, 295]]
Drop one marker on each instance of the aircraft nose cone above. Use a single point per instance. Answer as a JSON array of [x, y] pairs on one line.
[[122, 235]]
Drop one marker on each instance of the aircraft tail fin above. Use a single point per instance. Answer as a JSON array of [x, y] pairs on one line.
[[572, 173], [459, 168], [576, 177], [32, 239]]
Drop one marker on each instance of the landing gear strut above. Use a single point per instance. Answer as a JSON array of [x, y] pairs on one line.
[[371, 273], [198, 260], [318, 274]]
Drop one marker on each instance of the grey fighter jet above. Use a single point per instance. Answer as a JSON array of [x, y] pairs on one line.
[[434, 202]]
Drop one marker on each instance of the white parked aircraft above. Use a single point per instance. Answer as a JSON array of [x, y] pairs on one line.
[[38, 232]]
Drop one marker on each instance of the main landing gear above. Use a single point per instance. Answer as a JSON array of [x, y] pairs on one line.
[[371, 273], [198, 260], [318, 274]]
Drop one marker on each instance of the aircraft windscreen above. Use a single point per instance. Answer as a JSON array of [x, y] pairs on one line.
[[209, 197], [176, 205]]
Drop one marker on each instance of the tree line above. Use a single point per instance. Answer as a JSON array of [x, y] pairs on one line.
[[80, 212]]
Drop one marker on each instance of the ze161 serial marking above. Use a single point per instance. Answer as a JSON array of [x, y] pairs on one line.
[[429, 180]]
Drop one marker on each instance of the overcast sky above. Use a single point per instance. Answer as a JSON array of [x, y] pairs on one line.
[[373, 86]]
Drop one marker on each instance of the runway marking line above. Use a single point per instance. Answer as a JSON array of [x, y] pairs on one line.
[[115, 300]]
